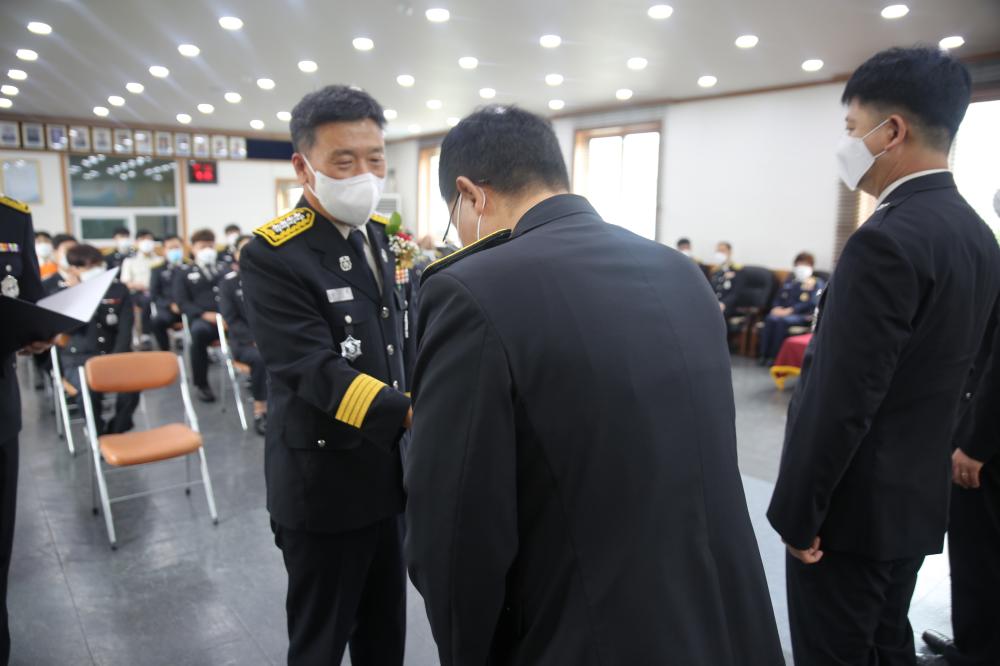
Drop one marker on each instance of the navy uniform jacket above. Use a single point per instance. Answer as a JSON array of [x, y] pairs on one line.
[[727, 282], [196, 288], [866, 464], [54, 284], [161, 283], [573, 490], [234, 311], [802, 297], [226, 255], [333, 424], [117, 257], [17, 260], [108, 332]]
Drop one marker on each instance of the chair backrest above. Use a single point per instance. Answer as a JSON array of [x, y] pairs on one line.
[[131, 371], [759, 285], [824, 275]]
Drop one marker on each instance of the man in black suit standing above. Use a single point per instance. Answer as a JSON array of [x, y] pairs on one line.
[[862, 492], [573, 492]]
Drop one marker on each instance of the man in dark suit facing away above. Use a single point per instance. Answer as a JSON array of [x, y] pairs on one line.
[[573, 492], [862, 491]]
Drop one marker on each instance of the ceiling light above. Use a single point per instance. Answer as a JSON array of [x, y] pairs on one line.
[[487, 93], [624, 93], [17, 74], [637, 63], [404, 80], [8, 90], [468, 63], [812, 65], [438, 15], [5, 103], [156, 70], [266, 84], [257, 124], [183, 118], [189, 50], [233, 98], [414, 129], [746, 41], [27, 54], [452, 121], [707, 81], [550, 41], [284, 116], [660, 11], [230, 23], [40, 28], [895, 11], [116, 100], [946, 43], [206, 108], [556, 104], [554, 79], [363, 44], [134, 87], [434, 104], [100, 110], [390, 114], [307, 66]]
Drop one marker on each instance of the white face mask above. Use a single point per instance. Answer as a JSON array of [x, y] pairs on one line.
[[207, 256], [349, 200], [63, 264], [146, 246], [43, 250], [123, 244], [854, 159], [685, 252], [996, 203], [91, 273], [803, 273], [721, 258], [232, 238]]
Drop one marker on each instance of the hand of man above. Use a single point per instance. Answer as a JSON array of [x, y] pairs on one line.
[[722, 306], [965, 470], [39, 348], [809, 556], [408, 419], [174, 308], [209, 317]]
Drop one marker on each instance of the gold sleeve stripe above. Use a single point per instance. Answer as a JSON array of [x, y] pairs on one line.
[[358, 398]]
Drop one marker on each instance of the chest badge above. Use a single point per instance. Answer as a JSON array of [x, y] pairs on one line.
[[385, 257], [111, 319], [350, 348], [8, 286], [194, 276], [345, 263]]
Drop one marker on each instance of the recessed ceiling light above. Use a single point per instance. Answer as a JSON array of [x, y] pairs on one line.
[[307, 66], [17, 74], [946, 43], [707, 81], [5, 103], [746, 41], [404, 80], [895, 11], [414, 129], [8, 90], [434, 104], [453, 121], [116, 100], [189, 50], [660, 11], [266, 84], [230, 23], [363, 43], [183, 118], [40, 28], [134, 87], [468, 63], [438, 15], [156, 70], [812, 65], [624, 93], [556, 104], [550, 41], [233, 98], [257, 124], [100, 110], [390, 114], [637, 63], [284, 115], [206, 108], [27, 54], [487, 93], [554, 79]]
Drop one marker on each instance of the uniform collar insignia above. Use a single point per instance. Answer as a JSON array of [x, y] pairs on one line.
[[287, 226]]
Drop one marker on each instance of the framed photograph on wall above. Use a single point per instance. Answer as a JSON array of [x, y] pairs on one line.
[[10, 137], [33, 135], [199, 146], [21, 180], [143, 142], [220, 146], [57, 137], [79, 138], [123, 141], [238, 147], [182, 144], [101, 139], [164, 144]]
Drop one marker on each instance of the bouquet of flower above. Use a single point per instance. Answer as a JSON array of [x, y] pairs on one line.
[[403, 247]]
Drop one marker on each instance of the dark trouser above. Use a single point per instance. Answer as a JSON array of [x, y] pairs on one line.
[[974, 550], [202, 335], [258, 374], [142, 301], [775, 331], [161, 323], [125, 403], [345, 588], [847, 610], [8, 506]]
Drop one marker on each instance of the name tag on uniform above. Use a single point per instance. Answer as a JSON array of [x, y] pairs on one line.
[[340, 295]]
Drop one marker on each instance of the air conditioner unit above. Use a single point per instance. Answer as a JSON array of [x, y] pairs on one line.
[[389, 204]]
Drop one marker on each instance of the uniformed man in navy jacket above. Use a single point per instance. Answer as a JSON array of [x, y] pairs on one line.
[[793, 305]]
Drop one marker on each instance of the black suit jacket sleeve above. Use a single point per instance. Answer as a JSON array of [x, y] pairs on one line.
[[229, 308], [302, 355], [160, 290], [462, 490], [865, 323], [126, 320], [182, 296], [984, 441]]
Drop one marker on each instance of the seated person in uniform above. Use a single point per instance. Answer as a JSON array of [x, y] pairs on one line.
[[793, 305], [164, 312], [43, 250], [123, 247], [234, 312], [726, 278], [227, 252], [108, 332], [136, 273], [196, 292], [62, 278]]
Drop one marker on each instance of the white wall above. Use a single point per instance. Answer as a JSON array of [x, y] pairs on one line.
[[50, 214], [404, 158]]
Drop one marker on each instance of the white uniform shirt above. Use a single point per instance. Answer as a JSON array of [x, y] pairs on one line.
[[345, 230], [138, 269]]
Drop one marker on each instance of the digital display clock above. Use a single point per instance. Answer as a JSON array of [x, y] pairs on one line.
[[202, 172]]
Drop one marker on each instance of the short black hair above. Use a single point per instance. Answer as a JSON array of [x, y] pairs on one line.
[[232, 227], [240, 240], [203, 236], [43, 234], [729, 246], [121, 231], [683, 241], [144, 232], [928, 82], [805, 258], [172, 237], [509, 148], [84, 255], [59, 239], [332, 104]]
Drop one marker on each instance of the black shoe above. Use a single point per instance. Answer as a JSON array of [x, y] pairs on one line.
[[937, 641], [260, 423], [931, 660], [762, 360], [205, 393]]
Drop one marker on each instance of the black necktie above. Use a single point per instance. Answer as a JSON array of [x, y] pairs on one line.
[[357, 242]]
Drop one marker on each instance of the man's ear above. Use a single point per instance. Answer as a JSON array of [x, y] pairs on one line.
[[900, 127], [300, 169], [474, 194]]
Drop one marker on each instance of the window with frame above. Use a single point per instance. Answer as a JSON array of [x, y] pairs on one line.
[[432, 211]]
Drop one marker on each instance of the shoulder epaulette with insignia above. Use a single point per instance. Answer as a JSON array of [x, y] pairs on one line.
[[158, 263], [378, 218], [231, 274], [108, 251], [736, 267], [15, 204], [287, 226], [494, 239]]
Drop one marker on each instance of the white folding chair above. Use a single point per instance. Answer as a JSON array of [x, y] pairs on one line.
[[234, 367]]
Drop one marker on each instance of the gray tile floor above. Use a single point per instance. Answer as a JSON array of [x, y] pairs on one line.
[[180, 590]]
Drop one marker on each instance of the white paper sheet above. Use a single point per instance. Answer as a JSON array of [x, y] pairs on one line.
[[80, 301]]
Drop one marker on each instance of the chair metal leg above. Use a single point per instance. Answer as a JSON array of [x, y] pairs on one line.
[[222, 388], [238, 393], [145, 412], [67, 426], [187, 463], [207, 480], [96, 452]]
